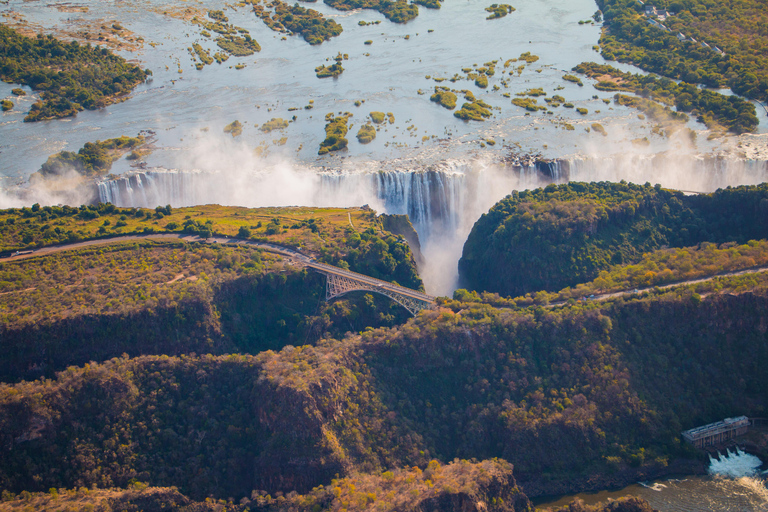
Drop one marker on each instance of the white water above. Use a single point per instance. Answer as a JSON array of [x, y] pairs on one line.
[[736, 464], [732, 487], [443, 200]]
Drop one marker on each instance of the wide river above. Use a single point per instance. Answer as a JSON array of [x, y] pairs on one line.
[[188, 109]]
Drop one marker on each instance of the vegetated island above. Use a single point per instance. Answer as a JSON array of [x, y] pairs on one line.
[[229, 41], [397, 11], [366, 133], [276, 123], [475, 110], [295, 19], [235, 128], [564, 235], [692, 41], [498, 11], [577, 397], [335, 133], [717, 111], [93, 159], [71, 76]]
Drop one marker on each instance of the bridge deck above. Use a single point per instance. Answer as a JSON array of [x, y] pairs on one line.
[[408, 292]]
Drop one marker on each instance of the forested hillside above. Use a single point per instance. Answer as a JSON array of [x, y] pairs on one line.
[[172, 297], [560, 236], [569, 396], [735, 28]]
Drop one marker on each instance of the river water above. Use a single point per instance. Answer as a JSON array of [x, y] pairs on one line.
[[734, 485], [189, 110], [442, 171]]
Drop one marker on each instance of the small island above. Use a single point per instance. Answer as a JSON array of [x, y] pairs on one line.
[[93, 159], [498, 11], [335, 133], [71, 76]]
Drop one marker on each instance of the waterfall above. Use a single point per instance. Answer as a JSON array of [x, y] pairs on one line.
[[443, 201], [681, 172]]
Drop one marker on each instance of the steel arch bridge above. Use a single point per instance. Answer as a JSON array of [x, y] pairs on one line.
[[340, 281]]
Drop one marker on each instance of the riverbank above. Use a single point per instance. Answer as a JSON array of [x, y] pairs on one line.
[[546, 492]]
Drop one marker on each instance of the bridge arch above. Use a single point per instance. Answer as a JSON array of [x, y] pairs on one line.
[[340, 281]]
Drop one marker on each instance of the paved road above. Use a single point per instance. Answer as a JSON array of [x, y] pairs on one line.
[[273, 248], [612, 295]]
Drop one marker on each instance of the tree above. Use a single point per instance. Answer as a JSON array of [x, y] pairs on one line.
[[244, 232]]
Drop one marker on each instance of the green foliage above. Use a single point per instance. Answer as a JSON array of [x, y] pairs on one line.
[[599, 129], [736, 28], [521, 385], [532, 92], [72, 77], [366, 133], [527, 57], [276, 123], [477, 110], [202, 54], [93, 159], [560, 236], [18, 91], [333, 70], [6, 105], [335, 133], [528, 104], [429, 4], [498, 10], [397, 11], [238, 46], [378, 117], [444, 97], [574, 79], [295, 19], [234, 128], [711, 108]]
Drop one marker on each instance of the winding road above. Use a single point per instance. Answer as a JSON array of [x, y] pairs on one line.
[[376, 284], [323, 267]]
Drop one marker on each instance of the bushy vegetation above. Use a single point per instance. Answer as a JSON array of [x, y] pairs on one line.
[[708, 267], [98, 302], [335, 133], [498, 11], [6, 105], [529, 104], [448, 487], [429, 4], [93, 159], [397, 11], [378, 117], [573, 78], [735, 28], [234, 128], [72, 77], [366, 133], [333, 70], [477, 110], [444, 97], [711, 108], [560, 236], [276, 123], [295, 19], [570, 396], [597, 127], [238, 46]]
